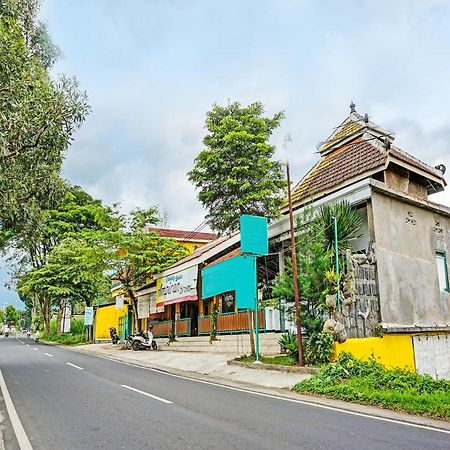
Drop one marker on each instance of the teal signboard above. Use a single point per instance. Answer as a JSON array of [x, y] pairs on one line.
[[254, 237], [235, 274]]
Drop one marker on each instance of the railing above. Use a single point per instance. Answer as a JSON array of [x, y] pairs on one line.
[[163, 329], [183, 327], [229, 323]]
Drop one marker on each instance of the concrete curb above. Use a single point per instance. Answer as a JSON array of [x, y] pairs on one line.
[[278, 368]]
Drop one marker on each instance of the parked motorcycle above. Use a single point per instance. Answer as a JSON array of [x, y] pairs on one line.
[[144, 341], [114, 336], [130, 337]]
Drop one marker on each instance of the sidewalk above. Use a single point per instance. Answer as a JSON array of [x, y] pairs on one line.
[[209, 364]]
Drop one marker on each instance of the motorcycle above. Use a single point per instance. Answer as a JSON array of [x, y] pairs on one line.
[[129, 339], [144, 342], [28, 334], [114, 336], [36, 337]]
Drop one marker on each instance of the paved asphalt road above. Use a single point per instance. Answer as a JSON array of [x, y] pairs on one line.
[[85, 405]]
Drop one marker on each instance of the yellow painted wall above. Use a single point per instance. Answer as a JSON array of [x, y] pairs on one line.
[[393, 350], [108, 316]]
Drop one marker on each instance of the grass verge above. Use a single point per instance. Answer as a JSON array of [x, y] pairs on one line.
[[371, 383], [281, 360], [66, 338]]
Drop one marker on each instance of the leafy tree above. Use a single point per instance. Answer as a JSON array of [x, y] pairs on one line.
[[2, 316], [133, 255], [313, 261], [37, 121], [235, 174], [74, 273], [71, 230], [12, 316]]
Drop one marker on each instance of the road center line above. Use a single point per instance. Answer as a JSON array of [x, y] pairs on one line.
[[21, 436], [34, 348], [28, 345], [48, 354], [291, 400], [146, 393], [73, 365]]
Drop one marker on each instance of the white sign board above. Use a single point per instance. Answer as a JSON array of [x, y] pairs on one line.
[[143, 306], [120, 300], [153, 307], [89, 315], [66, 319], [178, 287]]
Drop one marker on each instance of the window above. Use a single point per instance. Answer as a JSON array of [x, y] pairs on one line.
[[441, 262]]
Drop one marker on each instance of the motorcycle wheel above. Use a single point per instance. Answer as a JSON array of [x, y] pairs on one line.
[[128, 344], [136, 346], [154, 345]]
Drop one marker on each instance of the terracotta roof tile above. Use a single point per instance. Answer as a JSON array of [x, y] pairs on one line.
[[352, 159], [347, 130]]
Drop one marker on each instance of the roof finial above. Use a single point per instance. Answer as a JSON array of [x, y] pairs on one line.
[[352, 107]]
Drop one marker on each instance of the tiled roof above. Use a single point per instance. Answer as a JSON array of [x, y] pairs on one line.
[[348, 161], [346, 130], [232, 254], [186, 235], [406, 157]]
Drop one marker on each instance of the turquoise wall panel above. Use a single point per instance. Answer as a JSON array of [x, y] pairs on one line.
[[254, 236], [235, 274]]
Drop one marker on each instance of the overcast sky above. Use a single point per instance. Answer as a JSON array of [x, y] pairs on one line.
[[152, 68]]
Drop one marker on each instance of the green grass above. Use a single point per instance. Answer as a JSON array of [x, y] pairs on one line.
[[281, 360], [66, 339], [371, 383]]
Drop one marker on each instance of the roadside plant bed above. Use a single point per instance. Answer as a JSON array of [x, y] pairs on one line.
[[371, 383], [280, 363], [66, 339]]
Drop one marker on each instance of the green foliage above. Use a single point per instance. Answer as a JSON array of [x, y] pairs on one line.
[[77, 326], [370, 382], [2, 316], [288, 343], [280, 360], [37, 324], [66, 338], [313, 261], [349, 224], [213, 331], [38, 119], [318, 348], [235, 174], [12, 316]]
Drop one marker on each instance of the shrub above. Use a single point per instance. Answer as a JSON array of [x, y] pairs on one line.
[[77, 326], [319, 348]]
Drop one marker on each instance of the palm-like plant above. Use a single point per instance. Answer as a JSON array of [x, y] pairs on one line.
[[349, 224]]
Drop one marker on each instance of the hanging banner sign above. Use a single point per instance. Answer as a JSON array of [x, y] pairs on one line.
[[143, 307], [66, 319], [153, 308], [89, 315], [177, 287], [120, 300]]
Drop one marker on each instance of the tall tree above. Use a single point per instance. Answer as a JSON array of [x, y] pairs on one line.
[[37, 120], [134, 255], [12, 316], [235, 174]]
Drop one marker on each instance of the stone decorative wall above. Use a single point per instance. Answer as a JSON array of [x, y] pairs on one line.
[[360, 309]]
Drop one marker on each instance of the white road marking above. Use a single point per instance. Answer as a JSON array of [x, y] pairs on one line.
[[146, 393], [28, 345], [34, 348], [21, 436], [48, 354], [292, 400], [73, 365]]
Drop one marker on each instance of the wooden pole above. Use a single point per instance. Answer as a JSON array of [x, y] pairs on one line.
[[294, 274]]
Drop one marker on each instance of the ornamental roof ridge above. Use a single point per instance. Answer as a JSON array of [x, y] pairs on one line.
[[353, 126]]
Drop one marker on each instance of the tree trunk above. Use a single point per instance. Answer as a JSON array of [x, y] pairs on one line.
[[134, 307]]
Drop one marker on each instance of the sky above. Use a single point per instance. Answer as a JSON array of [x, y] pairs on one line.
[[153, 68]]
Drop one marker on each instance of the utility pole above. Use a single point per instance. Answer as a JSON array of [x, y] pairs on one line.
[[294, 274], [336, 254]]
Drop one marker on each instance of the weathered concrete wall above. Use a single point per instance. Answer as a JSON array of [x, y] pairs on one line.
[[407, 238]]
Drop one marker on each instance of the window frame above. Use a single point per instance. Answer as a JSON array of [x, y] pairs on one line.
[[441, 256]]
